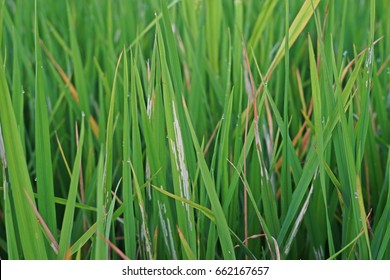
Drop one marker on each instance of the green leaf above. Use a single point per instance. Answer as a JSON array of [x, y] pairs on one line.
[[44, 169], [222, 226], [30, 235], [67, 222]]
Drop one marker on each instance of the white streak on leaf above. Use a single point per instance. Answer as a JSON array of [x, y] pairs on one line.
[[149, 108], [174, 255], [178, 152], [145, 232], [300, 218], [2, 150], [147, 174], [161, 207]]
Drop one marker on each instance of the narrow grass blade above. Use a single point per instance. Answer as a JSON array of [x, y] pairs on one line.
[[30, 235], [222, 227], [318, 122], [100, 247], [381, 239], [205, 211], [44, 169], [107, 172], [79, 74], [2, 10], [49, 235], [128, 200], [10, 233], [263, 18], [76, 247], [148, 243], [67, 223], [353, 242], [296, 28], [186, 246], [286, 186]]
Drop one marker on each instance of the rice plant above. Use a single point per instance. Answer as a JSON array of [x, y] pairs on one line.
[[195, 129]]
